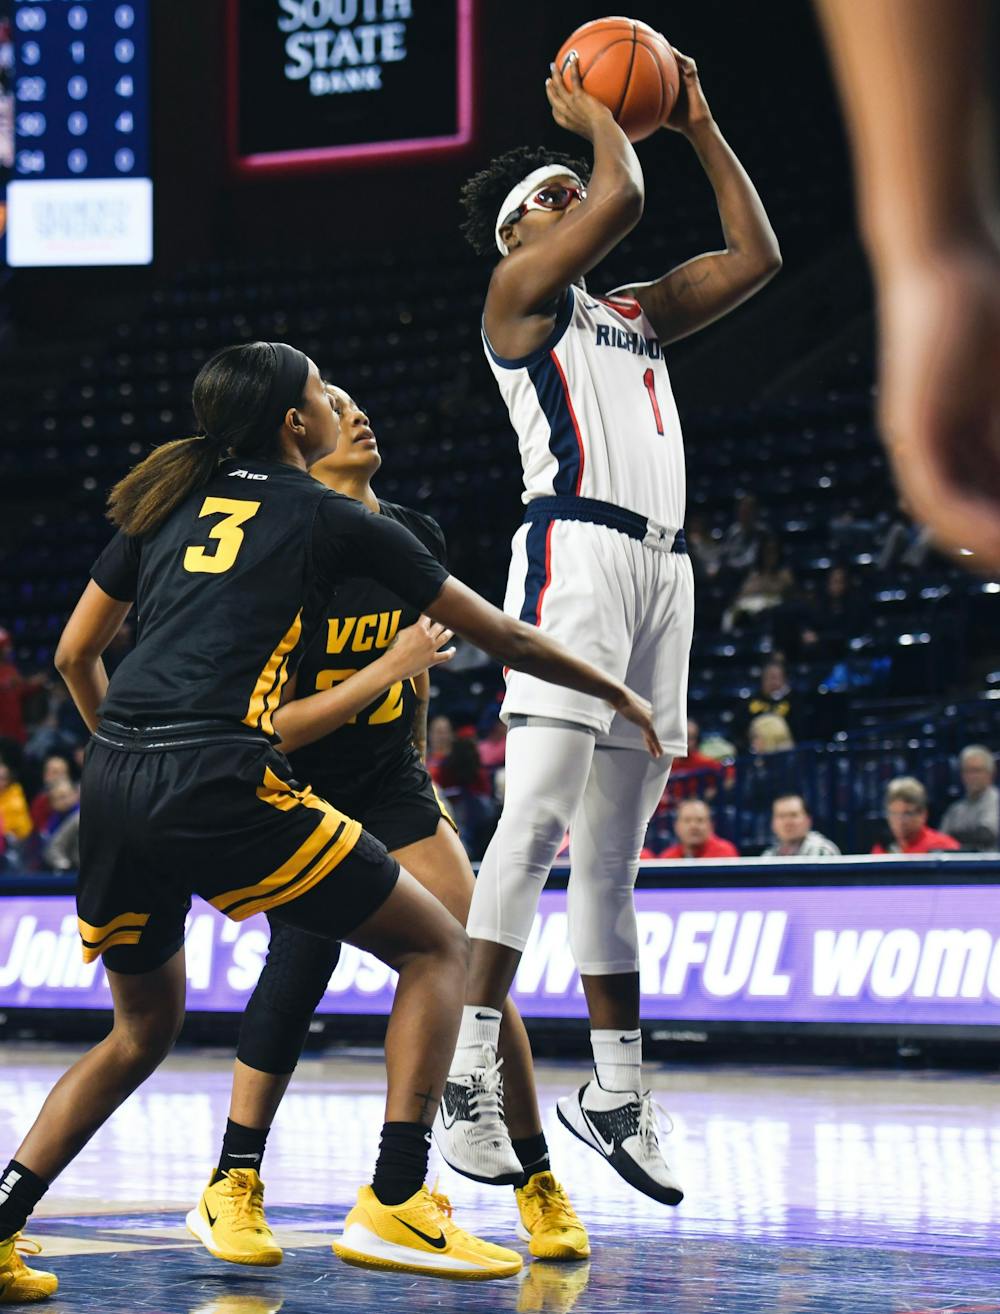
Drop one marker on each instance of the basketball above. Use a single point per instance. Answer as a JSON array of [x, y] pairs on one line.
[[629, 67]]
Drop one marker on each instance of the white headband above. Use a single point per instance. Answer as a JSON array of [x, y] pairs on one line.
[[521, 191]]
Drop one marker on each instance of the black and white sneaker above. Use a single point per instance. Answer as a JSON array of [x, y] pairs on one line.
[[622, 1126], [469, 1129]]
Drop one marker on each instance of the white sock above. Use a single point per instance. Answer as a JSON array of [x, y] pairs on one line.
[[480, 1027], [618, 1059]]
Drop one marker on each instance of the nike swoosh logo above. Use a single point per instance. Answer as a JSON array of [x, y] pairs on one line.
[[211, 1220], [629, 1040], [438, 1242], [444, 1118], [607, 1146], [485, 1017]]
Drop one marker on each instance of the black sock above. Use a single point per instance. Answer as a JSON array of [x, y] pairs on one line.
[[20, 1191], [402, 1161], [242, 1147], [533, 1152]]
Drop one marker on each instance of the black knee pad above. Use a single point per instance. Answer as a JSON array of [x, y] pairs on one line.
[[291, 984]]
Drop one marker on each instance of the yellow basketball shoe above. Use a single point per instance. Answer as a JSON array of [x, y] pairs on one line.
[[418, 1236], [229, 1220], [548, 1221], [19, 1284]]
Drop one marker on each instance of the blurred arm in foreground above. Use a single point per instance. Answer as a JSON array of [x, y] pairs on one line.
[[914, 79]]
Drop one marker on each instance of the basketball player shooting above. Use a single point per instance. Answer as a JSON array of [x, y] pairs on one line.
[[600, 562]]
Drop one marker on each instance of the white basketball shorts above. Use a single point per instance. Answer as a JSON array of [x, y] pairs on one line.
[[622, 602]]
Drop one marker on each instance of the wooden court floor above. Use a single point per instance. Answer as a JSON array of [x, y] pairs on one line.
[[834, 1191]]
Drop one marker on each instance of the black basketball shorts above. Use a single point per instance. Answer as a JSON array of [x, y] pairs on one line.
[[399, 805], [207, 808]]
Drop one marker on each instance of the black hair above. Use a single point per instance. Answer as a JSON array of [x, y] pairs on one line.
[[482, 195], [232, 403]]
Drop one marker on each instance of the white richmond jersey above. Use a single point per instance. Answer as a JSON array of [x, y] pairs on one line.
[[594, 412]]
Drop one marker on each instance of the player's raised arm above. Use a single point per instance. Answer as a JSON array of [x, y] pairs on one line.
[[704, 289], [545, 252]]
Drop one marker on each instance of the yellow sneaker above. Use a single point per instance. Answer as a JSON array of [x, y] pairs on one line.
[[548, 1221], [19, 1284], [418, 1236], [229, 1220], [552, 1289]]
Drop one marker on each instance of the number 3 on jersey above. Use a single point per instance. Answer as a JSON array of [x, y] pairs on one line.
[[227, 533]]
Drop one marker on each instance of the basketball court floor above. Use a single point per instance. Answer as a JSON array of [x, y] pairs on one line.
[[808, 1190]]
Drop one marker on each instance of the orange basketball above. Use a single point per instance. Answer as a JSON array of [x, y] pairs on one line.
[[629, 67]]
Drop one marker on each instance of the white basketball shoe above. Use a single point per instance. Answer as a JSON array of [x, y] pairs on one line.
[[622, 1126], [469, 1129]]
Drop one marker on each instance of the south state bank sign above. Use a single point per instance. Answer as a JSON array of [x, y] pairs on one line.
[[315, 84]]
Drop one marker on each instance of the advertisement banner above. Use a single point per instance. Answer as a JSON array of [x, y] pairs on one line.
[[901, 955]]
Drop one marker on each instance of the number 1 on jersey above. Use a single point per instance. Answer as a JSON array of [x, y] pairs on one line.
[[650, 383]]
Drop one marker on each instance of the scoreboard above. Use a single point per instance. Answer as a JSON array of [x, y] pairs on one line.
[[315, 84], [80, 190]]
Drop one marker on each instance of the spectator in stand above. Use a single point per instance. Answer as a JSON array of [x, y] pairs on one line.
[[793, 832], [770, 733], [764, 588], [836, 615], [468, 795], [741, 541], [62, 853], [774, 695], [975, 819], [696, 837], [440, 738], [704, 550], [48, 738], [64, 800], [493, 745], [56, 768], [14, 689], [697, 773], [906, 813], [13, 805], [463, 767]]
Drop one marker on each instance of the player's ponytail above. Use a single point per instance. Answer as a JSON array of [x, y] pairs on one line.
[[139, 503], [234, 405]]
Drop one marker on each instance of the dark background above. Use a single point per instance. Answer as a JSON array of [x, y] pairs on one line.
[[764, 71]]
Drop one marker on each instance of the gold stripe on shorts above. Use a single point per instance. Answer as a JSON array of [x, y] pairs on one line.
[[126, 928], [333, 838]]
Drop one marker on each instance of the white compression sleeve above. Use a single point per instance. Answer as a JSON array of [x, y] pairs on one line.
[[606, 837], [547, 769]]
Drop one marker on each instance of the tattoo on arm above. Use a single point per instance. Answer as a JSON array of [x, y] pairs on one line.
[[428, 1102], [420, 728]]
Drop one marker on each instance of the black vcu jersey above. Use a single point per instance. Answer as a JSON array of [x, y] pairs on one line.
[[228, 587], [369, 767], [182, 791]]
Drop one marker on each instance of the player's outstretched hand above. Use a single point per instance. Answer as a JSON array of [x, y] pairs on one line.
[[573, 108], [419, 647], [939, 403], [640, 713], [690, 108]]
